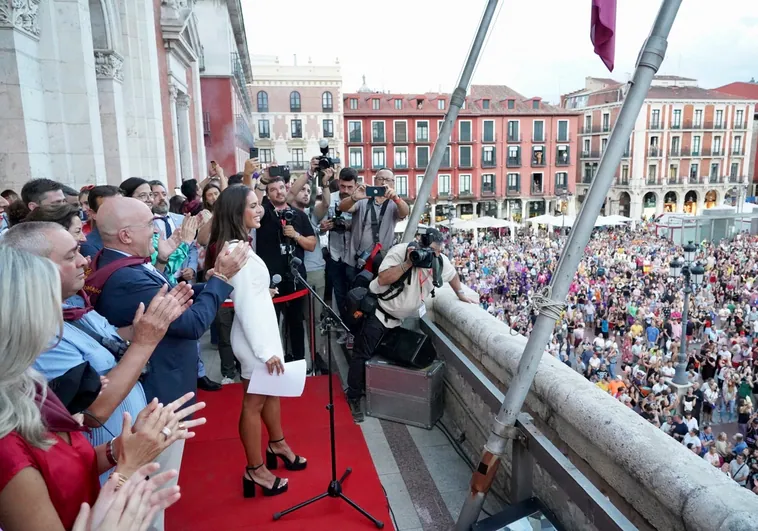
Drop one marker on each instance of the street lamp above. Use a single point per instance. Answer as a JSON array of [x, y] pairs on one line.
[[693, 274]]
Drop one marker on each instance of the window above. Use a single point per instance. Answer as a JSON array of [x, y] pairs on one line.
[[538, 180], [676, 120], [535, 104], [296, 128], [675, 145], [464, 184], [294, 101], [443, 185], [375, 104], [588, 173], [513, 180], [327, 102], [401, 131], [586, 148], [513, 131], [587, 123], [563, 131], [738, 117], [538, 131], [719, 118], [652, 172], [401, 185], [655, 119], [698, 121], [419, 182], [440, 123], [485, 104], [673, 172], [401, 157], [488, 156], [488, 183], [262, 101], [511, 104], [606, 122], [356, 157], [378, 158], [328, 128], [737, 145], [355, 131], [264, 130], [422, 156], [696, 145], [624, 174], [716, 145], [714, 170], [694, 171], [377, 131], [422, 131], [398, 103], [488, 133], [514, 156], [297, 155], [734, 170], [603, 144], [265, 156], [353, 102], [464, 156], [562, 156], [446, 158], [561, 179], [464, 131], [538, 155], [441, 106]]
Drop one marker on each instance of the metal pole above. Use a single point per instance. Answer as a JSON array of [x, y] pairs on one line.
[[649, 60], [680, 377], [443, 139]]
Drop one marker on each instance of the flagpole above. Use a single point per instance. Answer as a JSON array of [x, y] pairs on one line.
[[443, 139], [648, 63]]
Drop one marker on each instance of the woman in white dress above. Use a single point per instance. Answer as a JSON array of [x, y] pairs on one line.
[[255, 341]]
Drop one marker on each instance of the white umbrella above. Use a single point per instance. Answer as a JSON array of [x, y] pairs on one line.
[[400, 227], [617, 218], [544, 219], [564, 221], [449, 222], [488, 222], [468, 224]]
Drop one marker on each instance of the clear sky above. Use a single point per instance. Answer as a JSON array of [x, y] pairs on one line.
[[537, 47]]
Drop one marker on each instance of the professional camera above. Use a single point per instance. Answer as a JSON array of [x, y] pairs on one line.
[[339, 225], [421, 257], [324, 161], [287, 215]]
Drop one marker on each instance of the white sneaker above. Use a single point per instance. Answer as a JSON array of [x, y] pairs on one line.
[[226, 381], [342, 338]]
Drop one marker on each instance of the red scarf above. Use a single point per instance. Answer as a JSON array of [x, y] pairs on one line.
[[74, 313], [98, 276], [56, 417]]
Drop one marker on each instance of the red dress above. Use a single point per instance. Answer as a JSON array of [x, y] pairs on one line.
[[69, 470]]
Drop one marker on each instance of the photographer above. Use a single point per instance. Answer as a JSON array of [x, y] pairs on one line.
[[284, 233], [374, 221], [407, 277]]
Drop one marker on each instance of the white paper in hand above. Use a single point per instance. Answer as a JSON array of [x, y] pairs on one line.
[[290, 383]]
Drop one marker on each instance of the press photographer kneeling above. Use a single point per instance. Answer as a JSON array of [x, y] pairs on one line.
[[407, 277]]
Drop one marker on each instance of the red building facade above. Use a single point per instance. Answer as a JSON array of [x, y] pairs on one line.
[[509, 156], [750, 91]]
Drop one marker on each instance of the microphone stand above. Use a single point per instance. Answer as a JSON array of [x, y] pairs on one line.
[[334, 490]]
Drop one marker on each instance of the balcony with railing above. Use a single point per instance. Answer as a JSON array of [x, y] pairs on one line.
[[239, 76], [675, 152], [606, 128], [656, 125], [591, 154], [561, 189], [738, 152], [651, 180], [206, 123], [694, 179], [513, 139], [562, 157], [741, 124], [513, 162], [622, 181], [488, 189], [654, 151], [243, 130], [489, 160], [297, 165], [587, 178], [513, 189], [539, 159], [537, 189], [715, 179], [674, 179], [588, 130], [736, 179]]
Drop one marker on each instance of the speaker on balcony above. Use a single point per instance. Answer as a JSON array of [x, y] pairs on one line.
[[407, 348]]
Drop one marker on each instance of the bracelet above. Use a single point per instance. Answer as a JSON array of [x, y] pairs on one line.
[[109, 453], [221, 277], [120, 480]]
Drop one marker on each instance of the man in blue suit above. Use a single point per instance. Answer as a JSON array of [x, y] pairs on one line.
[[95, 199], [126, 226]]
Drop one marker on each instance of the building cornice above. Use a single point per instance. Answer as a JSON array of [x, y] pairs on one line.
[[240, 36], [20, 15]]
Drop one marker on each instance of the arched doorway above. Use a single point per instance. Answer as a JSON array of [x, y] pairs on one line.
[[690, 202], [669, 202], [711, 198], [625, 204], [649, 204], [731, 196]]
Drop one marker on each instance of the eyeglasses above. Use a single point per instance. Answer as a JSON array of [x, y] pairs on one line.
[[384, 180]]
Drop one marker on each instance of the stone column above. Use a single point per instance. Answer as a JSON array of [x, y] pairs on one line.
[[473, 207], [110, 76], [185, 136], [173, 93], [499, 209], [432, 214], [202, 164], [508, 209], [23, 128]]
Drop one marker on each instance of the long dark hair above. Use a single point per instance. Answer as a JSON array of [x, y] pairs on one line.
[[131, 184], [228, 220], [206, 205]]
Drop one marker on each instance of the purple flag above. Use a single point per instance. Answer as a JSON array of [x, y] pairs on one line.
[[603, 30]]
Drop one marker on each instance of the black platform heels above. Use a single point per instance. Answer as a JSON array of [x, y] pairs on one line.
[[248, 484], [271, 459]]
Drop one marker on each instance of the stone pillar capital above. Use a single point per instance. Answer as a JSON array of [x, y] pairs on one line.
[[109, 65], [20, 15], [182, 101]]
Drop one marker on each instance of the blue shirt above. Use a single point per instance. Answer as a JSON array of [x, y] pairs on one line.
[[652, 334], [76, 347]]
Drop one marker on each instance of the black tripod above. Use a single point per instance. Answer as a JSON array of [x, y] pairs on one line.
[[331, 320]]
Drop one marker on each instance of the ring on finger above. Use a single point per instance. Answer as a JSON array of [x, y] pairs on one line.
[[166, 432]]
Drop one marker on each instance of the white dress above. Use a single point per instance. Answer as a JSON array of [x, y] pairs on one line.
[[255, 330]]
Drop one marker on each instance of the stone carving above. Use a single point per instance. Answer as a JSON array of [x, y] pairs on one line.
[[21, 15], [182, 101], [178, 4], [173, 92], [109, 65]]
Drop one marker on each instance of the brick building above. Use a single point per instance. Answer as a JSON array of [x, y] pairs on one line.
[[750, 91], [295, 106], [688, 151], [509, 156]]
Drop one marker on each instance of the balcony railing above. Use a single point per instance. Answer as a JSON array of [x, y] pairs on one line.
[[513, 190], [740, 125], [538, 138], [401, 165], [264, 134], [207, 123], [606, 128], [693, 179], [537, 190], [736, 179], [513, 139], [562, 158], [296, 165], [488, 190], [653, 152], [676, 125], [488, 163], [673, 180], [355, 137], [327, 109], [590, 154], [717, 153], [586, 130], [538, 162], [422, 164], [675, 152], [586, 179], [513, 162], [715, 179], [656, 125], [651, 180], [243, 130], [561, 189], [239, 76], [623, 181], [738, 152]]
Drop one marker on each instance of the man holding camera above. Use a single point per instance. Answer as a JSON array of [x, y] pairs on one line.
[[407, 278], [374, 220], [285, 233]]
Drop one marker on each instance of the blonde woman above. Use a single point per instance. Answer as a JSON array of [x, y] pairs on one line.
[[44, 456]]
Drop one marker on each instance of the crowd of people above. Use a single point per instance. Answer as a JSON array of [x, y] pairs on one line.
[[622, 328]]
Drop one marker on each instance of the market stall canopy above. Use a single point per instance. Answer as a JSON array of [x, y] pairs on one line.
[[400, 227], [488, 222]]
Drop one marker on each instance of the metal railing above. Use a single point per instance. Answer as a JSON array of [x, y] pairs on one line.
[[489, 163], [537, 190], [513, 139], [206, 123], [243, 130], [655, 126], [562, 158], [539, 162], [531, 447], [239, 76], [513, 162], [513, 190], [296, 165], [654, 152]]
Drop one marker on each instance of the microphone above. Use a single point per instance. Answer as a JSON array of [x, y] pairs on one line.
[[295, 263], [274, 281]]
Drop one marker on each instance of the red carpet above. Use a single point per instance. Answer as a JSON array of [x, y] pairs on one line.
[[213, 464]]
